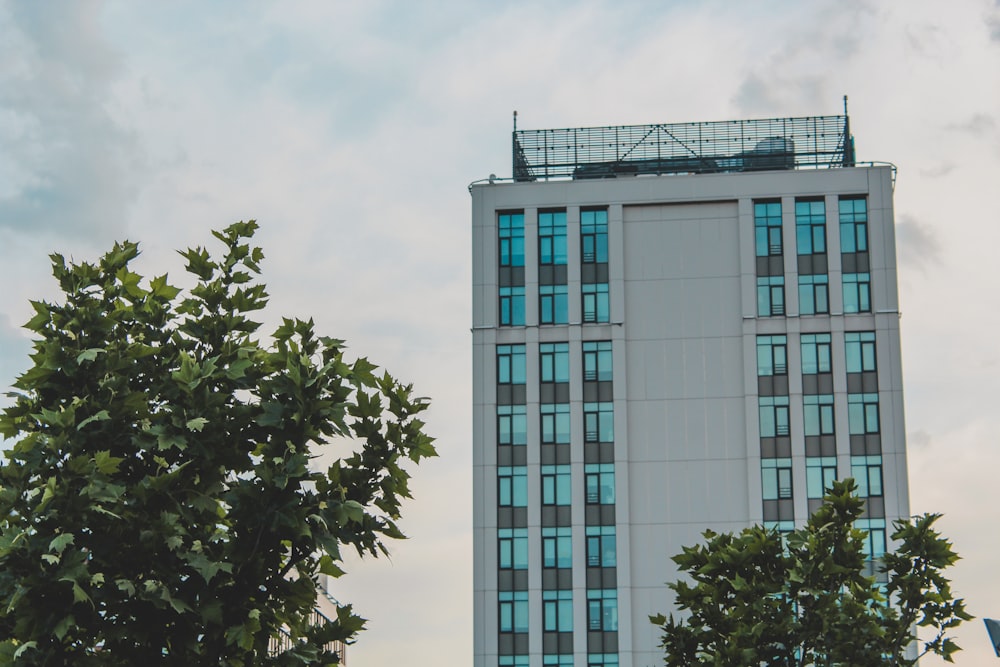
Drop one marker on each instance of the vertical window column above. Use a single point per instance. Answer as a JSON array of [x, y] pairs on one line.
[[854, 256], [557, 626], [775, 430], [556, 496], [554, 410], [817, 395], [810, 232], [598, 397], [510, 276], [512, 426], [769, 250], [512, 576], [599, 508], [553, 296], [594, 265], [862, 393], [557, 560], [818, 422], [512, 501], [863, 411]]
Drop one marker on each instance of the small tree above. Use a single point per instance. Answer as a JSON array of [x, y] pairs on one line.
[[757, 598], [158, 503]]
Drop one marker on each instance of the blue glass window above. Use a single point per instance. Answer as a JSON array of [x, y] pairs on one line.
[[770, 296], [773, 416], [857, 292], [557, 547], [555, 423], [552, 237], [554, 362], [815, 353], [512, 486], [875, 542], [558, 660], [597, 361], [814, 294], [512, 425], [556, 486], [513, 543], [780, 526], [867, 473], [596, 304], [601, 548], [513, 611], [557, 614], [817, 413], [602, 610], [599, 422], [600, 481], [511, 364], [860, 351], [602, 660], [772, 355], [810, 227], [511, 237], [862, 413], [553, 304], [514, 661], [767, 228], [594, 236], [853, 225], [820, 473], [511, 306], [776, 479]]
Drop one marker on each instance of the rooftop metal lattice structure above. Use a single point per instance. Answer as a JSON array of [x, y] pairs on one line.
[[810, 142]]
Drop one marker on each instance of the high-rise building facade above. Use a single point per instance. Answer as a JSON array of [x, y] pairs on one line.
[[675, 328]]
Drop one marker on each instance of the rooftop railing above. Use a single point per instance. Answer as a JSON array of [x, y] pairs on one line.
[[811, 142]]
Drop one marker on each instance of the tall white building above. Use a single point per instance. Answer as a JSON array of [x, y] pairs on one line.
[[675, 327]]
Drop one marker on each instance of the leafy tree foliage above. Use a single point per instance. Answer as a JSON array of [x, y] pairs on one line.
[[158, 504], [758, 598]]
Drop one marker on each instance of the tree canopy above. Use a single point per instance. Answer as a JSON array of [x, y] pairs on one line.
[[807, 597], [159, 502]]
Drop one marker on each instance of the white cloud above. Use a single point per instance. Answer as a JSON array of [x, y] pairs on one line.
[[917, 244], [14, 350], [71, 167]]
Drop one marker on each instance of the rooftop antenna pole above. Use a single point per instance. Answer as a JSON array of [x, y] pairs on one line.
[[514, 148], [848, 139]]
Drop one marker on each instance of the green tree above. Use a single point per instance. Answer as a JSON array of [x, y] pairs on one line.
[[158, 505], [806, 598]]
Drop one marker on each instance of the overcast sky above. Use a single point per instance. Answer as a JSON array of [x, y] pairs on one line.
[[351, 130]]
